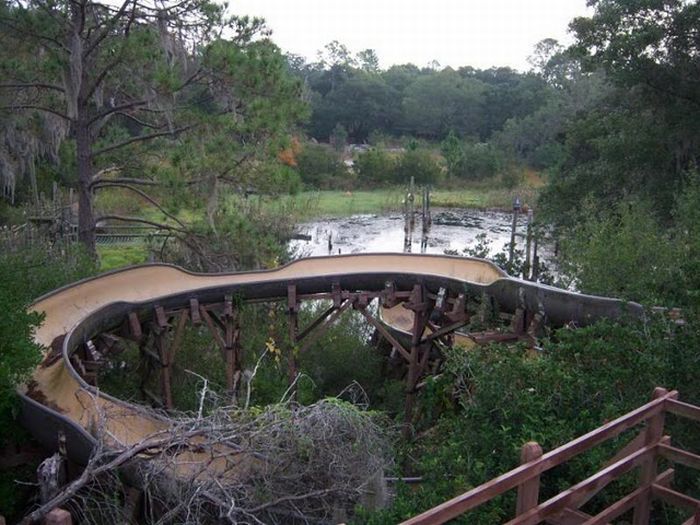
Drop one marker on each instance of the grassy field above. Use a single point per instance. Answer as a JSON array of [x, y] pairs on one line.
[[310, 205]]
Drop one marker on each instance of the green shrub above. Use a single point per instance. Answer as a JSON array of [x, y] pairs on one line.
[[471, 161], [25, 275], [504, 397], [278, 179], [375, 167], [320, 166], [624, 253], [420, 164]]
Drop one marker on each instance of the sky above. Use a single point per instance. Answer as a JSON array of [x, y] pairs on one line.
[[478, 33]]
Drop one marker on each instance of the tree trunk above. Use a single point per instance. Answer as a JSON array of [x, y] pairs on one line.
[[86, 215]]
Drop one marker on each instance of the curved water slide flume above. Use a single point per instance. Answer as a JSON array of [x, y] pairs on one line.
[[57, 398]]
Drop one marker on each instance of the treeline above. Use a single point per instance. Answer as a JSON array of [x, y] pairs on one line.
[[350, 94], [609, 118]]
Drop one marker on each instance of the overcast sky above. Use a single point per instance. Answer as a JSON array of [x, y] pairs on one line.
[[479, 33]]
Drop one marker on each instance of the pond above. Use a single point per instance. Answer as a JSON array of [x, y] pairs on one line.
[[452, 229]]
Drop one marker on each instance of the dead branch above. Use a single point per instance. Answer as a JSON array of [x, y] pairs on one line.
[[285, 463]]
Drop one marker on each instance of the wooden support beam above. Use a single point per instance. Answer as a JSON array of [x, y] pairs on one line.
[[416, 363], [316, 322], [292, 302], [212, 327], [695, 520], [568, 517], [683, 409], [621, 506], [160, 341], [231, 335], [228, 306], [459, 308], [445, 330], [337, 295], [385, 333], [161, 319], [674, 498], [293, 324], [179, 334], [135, 327], [324, 326], [389, 299], [528, 491], [582, 490], [194, 312]]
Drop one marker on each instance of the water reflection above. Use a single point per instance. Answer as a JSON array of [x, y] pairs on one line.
[[451, 229]]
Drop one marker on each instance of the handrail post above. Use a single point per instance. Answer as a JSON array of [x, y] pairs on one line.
[[529, 491], [647, 472]]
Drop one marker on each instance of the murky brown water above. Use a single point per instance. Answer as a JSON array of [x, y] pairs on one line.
[[452, 229]]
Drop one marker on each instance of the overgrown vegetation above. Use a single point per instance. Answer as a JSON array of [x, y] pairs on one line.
[[490, 401], [25, 275]]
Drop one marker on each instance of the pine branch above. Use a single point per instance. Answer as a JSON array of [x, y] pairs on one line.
[[38, 108], [140, 138], [144, 195], [124, 180], [124, 218], [38, 85], [115, 109]]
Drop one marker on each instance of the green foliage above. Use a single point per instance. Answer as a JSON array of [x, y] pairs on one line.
[[505, 398], [624, 253], [278, 179], [627, 252], [332, 362], [420, 164], [470, 161], [19, 353], [435, 104], [375, 167], [24, 276], [641, 137], [320, 166]]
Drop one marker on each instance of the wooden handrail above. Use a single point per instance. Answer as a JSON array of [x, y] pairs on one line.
[[497, 486]]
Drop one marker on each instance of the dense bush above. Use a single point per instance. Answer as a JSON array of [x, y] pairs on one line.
[[24, 276], [420, 164], [375, 167], [471, 161], [628, 252], [320, 166], [505, 398]]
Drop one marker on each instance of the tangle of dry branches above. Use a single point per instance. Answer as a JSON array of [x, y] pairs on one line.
[[285, 463]]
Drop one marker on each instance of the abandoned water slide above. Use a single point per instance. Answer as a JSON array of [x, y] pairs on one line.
[[58, 399]]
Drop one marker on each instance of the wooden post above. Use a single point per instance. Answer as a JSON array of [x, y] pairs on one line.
[[58, 517], [647, 472], [529, 491], [231, 333], [418, 304], [528, 247], [160, 331], [293, 314], [511, 250]]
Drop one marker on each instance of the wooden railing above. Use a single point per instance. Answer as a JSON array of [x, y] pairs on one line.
[[643, 452]]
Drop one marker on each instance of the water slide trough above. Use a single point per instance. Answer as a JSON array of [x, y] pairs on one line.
[[58, 398]]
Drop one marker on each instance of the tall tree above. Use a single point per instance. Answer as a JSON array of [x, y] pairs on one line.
[[121, 75]]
